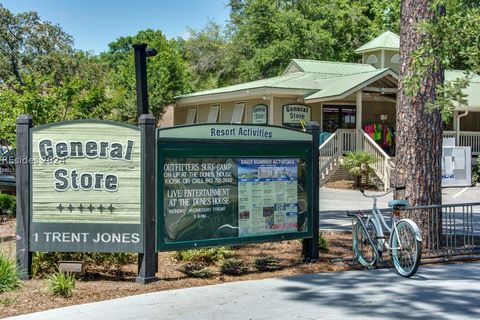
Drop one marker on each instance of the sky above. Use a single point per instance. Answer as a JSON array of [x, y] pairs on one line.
[[95, 23]]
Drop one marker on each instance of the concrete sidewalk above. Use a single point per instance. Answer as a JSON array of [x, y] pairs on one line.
[[436, 292]]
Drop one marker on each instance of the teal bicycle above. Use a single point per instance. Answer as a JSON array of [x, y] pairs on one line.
[[370, 240]]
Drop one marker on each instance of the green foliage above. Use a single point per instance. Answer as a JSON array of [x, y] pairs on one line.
[[360, 165], [266, 34], [267, 263], [167, 73], [451, 42], [8, 205], [61, 284], [42, 75], [9, 277], [7, 301], [323, 244], [233, 267], [476, 173], [206, 256], [47, 262], [196, 270]]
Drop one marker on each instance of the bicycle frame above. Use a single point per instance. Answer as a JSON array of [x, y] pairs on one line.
[[377, 219]]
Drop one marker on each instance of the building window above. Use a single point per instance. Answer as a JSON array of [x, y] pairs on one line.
[[192, 115], [237, 116], [372, 59], [213, 114], [395, 58]]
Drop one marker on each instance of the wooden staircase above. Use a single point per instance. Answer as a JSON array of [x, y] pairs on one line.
[[349, 140]]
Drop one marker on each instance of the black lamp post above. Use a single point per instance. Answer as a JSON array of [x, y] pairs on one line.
[[141, 54]]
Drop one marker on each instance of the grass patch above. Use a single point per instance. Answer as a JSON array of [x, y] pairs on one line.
[[195, 270], [233, 267], [268, 263], [61, 284], [9, 276], [323, 244], [205, 256]]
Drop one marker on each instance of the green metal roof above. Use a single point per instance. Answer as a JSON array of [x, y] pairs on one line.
[[387, 40], [336, 87], [329, 67], [322, 80], [299, 80], [308, 80]]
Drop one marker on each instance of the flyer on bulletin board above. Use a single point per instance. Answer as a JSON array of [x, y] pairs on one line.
[[267, 195]]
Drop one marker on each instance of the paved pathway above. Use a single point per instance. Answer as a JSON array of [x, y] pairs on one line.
[[439, 292]]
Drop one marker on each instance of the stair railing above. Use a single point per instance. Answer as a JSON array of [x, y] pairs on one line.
[[329, 153], [383, 164]]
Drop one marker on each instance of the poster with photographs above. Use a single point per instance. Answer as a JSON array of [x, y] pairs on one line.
[[267, 195]]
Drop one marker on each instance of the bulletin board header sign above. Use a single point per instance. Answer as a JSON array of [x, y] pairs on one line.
[[234, 132], [86, 187]]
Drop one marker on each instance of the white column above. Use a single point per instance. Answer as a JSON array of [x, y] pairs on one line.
[[382, 59], [358, 119], [271, 112], [321, 117]]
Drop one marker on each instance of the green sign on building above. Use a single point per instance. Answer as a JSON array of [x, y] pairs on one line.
[[86, 187]]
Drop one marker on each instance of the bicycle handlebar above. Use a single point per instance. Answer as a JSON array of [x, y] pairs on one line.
[[378, 195]]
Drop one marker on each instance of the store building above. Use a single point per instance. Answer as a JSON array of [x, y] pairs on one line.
[[354, 103]]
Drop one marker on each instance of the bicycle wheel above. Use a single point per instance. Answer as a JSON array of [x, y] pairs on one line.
[[406, 255], [362, 248]]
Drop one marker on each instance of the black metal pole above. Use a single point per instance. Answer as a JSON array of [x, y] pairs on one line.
[[22, 180], [141, 78], [310, 246], [147, 261]]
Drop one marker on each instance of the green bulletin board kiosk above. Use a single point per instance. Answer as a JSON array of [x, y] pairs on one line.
[[232, 184]]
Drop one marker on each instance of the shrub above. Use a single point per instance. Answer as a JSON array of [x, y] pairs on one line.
[[9, 276], [47, 262], [360, 165], [476, 173], [233, 267], [196, 270], [61, 284], [268, 263], [8, 205], [206, 256], [323, 243]]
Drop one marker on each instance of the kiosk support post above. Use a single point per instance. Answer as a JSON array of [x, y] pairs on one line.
[[310, 245], [24, 256], [147, 264]]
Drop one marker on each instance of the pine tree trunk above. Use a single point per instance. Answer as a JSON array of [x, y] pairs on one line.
[[419, 131]]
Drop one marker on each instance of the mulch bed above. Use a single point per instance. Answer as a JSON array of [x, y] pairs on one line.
[[100, 285]]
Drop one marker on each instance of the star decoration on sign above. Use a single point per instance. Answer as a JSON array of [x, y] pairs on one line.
[[81, 207], [90, 207], [70, 207], [101, 208], [60, 207], [111, 208]]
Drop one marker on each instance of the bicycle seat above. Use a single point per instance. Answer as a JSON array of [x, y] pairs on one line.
[[398, 203]]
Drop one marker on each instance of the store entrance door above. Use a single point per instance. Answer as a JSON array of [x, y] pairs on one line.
[[338, 117]]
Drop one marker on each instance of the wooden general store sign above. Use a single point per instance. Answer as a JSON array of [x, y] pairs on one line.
[[94, 186], [86, 187]]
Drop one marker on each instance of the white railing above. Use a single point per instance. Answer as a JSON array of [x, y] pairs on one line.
[[383, 164], [465, 139], [329, 153], [345, 140]]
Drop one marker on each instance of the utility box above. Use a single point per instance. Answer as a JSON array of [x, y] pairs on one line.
[[456, 166]]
